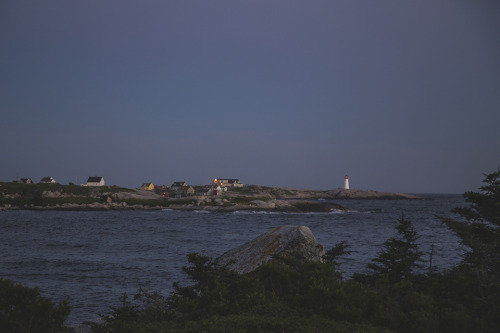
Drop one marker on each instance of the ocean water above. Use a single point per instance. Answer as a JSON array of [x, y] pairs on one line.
[[92, 258]]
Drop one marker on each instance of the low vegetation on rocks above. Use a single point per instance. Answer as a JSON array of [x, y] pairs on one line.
[[72, 197]]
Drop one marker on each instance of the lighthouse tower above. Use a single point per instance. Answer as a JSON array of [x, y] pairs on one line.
[[346, 183]]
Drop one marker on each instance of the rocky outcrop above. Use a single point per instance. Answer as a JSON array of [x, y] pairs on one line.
[[369, 194], [137, 194], [51, 194], [253, 198], [260, 204], [339, 193], [291, 241]]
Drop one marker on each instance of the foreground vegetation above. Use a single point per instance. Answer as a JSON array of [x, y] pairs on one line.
[[23, 309], [285, 296]]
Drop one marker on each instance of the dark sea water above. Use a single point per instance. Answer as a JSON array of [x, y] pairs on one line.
[[92, 258]]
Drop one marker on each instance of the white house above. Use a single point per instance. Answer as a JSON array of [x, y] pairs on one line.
[[47, 180], [95, 181], [217, 190]]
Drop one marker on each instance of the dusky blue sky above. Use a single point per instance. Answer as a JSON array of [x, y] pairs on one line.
[[403, 96]]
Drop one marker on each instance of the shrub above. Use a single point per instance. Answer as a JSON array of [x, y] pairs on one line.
[[23, 309]]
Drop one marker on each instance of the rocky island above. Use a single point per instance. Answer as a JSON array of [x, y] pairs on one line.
[[14, 196]]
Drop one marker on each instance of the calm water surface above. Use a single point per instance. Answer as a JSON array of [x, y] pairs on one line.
[[92, 258]]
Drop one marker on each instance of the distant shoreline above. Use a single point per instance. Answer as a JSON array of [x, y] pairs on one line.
[[42, 197]]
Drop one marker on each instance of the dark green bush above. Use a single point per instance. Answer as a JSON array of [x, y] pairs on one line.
[[400, 255], [23, 309]]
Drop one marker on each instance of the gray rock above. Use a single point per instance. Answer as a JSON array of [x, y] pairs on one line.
[[51, 194], [368, 194], [263, 204], [291, 241]]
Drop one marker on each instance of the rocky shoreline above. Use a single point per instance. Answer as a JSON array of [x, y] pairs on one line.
[[254, 198], [291, 206]]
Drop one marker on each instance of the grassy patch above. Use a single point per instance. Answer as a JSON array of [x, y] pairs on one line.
[[26, 195], [26, 201], [250, 189], [27, 189]]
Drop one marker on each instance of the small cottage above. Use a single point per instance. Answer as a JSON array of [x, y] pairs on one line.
[[26, 181], [147, 187], [95, 181], [217, 191], [47, 180], [190, 191]]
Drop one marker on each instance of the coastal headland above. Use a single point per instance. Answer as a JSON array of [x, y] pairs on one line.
[[15, 196]]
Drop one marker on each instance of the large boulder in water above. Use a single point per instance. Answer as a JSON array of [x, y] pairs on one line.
[[285, 242]]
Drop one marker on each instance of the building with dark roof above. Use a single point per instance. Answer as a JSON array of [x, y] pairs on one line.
[[47, 180], [177, 185], [95, 181]]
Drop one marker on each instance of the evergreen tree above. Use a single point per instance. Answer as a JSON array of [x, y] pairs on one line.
[[485, 204], [481, 233], [399, 255], [338, 250], [481, 230]]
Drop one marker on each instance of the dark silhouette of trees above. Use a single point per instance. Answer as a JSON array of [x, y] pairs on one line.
[[23, 309], [399, 256], [481, 233]]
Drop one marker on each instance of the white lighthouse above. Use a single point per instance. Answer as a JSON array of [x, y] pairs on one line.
[[346, 183]]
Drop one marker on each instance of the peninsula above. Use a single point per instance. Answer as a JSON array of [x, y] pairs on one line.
[[15, 196]]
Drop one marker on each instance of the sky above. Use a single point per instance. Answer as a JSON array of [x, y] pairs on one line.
[[403, 96]]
